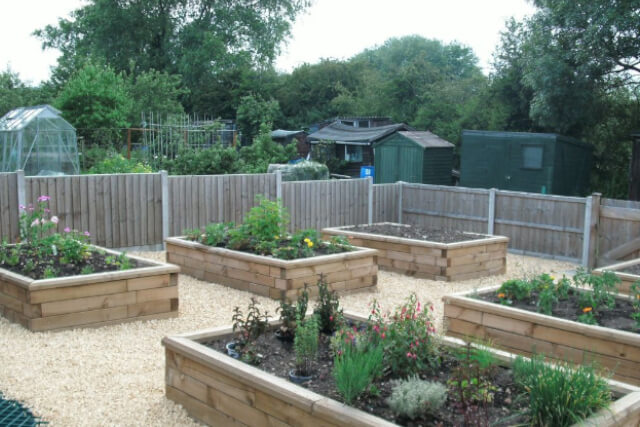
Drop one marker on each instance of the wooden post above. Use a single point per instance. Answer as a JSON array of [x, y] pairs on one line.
[[129, 143], [590, 235], [164, 178], [370, 201], [279, 185], [492, 212], [400, 184]]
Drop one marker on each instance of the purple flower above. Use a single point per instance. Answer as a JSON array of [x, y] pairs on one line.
[[47, 210], [54, 219], [66, 229], [22, 207], [86, 233], [35, 222], [44, 198]]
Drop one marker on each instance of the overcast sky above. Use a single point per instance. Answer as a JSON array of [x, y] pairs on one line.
[[330, 28]]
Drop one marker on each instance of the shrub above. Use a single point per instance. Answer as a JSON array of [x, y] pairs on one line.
[[117, 163], [408, 338], [327, 307], [249, 329], [413, 397], [291, 313], [355, 368], [560, 395], [305, 344]]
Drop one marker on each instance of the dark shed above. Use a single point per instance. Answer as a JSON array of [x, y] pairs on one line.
[[413, 156], [533, 162]]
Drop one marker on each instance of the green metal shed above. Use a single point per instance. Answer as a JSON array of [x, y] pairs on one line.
[[520, 161], [413, 156]]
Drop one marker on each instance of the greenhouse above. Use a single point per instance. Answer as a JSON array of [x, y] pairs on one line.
[[39, 141]]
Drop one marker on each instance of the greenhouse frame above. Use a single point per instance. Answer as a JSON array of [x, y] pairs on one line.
[[38, 141]]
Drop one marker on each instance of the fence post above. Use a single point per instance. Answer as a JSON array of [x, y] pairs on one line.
[[278, 185], [401, 184], [590, 235], [370, 201], [492, 212], [164, 179], [22, 196]]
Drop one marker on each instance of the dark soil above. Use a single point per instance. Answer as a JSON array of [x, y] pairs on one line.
[[279, 359], [617, 318], [417, 233], [97, 261], [634, 269]]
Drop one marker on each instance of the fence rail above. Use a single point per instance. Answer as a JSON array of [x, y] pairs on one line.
[[140, 210]]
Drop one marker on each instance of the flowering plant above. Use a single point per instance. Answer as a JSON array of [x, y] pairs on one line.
[[407, 337]]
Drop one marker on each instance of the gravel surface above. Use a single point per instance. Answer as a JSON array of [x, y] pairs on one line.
[[114, 375]]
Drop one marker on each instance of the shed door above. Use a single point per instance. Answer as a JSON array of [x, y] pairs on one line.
[[410, 164], [386, 164]]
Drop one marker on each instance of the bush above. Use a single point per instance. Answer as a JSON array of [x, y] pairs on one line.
[[216, 160], [560, 395], [301, 171], [117, 163], [354, 368], [413, 397]]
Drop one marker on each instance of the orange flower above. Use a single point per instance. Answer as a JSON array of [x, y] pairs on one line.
[[501, 295], [586, 309]]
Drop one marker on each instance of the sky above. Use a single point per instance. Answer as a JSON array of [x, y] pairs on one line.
[[335, 29]]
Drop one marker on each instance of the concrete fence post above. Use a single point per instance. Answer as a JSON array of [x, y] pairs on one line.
[[278, 185], [164, 179], [491, 217], [401, 186], [370, 200]]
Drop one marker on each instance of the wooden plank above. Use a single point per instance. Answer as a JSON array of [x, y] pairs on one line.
[[72, 292], [199, 410], [626, 214], [55, 308], [77, 319]]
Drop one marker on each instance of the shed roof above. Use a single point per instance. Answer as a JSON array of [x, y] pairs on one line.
[[281, 133], [20, 117], [343, 133], [426, 139]]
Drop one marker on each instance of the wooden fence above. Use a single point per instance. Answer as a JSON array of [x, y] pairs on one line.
[[140, 210], [9, 202]]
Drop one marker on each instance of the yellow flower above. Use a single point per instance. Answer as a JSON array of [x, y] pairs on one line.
[[586, 309], [310, 243], [276, 237], [501, 295], [552, 278], [307, 240]]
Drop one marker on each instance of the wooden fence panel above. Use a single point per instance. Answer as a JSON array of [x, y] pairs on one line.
[[464, 209], [9, 210], [619, 231], [319, 204], [195, 201], [541, 224], [385, 202], [119, 211]]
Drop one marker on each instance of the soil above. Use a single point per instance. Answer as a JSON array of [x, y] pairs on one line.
[[418, 233], [97, 261], [279, 359], [634, 269], [617, 318]]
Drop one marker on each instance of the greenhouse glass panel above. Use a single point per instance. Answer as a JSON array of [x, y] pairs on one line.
[[39, 141]]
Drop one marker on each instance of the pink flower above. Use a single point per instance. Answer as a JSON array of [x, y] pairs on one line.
[[383, 335], [35, 222], [66, 229], [22, 207], [44, 198], [409, 355], [330, 318], [47, 210], [86, 233], [54, 219]]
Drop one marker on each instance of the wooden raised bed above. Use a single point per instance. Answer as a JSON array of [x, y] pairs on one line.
[[148, 292], [272, 277], [626, 279], [219, 390], [525, 332], [437, 261]]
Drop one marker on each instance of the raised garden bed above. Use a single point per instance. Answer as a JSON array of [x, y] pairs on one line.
[[478, 315], [219, 390], [628, 272], [456, 256], [273, 277], [149, 291]]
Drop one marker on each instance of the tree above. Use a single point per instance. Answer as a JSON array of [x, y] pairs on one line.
[[95, 101], [252, 112], [256, 157], [156, 92], [15, 93], [199, 40]]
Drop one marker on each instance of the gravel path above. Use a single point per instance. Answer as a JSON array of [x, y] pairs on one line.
[[114, 375]]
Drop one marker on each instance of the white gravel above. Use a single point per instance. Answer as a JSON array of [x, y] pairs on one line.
[[114, 375]]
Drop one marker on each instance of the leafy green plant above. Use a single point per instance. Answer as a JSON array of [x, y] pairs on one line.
[[50, 273], [249, 328], [562, 394], [603, 289], [587, 316], [305, 344], [193, 234], [217, 234], [413, 397], [515, 289], [407, 336], [354, 369], [327, 307], [290, 312], [87, 269], [338, 244], [634, 291]]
